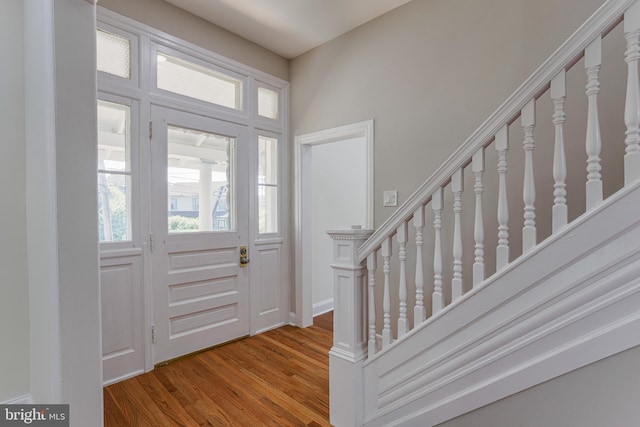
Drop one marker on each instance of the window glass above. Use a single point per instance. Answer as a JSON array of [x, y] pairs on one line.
[[113, 54], [267, 185], [200, 183], [195, 81], [114, 172], [267, 103]]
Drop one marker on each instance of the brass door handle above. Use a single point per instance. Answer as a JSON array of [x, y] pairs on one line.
[[244, 256]]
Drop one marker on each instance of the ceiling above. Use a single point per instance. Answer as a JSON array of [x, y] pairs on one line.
[[288, 27]]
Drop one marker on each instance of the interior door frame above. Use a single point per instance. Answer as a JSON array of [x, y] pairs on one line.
[[302, 222]]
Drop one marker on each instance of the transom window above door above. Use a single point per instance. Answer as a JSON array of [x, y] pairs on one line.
[[196, 81]]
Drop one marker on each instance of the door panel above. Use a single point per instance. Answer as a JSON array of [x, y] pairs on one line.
[[199, 197], [122, 322]]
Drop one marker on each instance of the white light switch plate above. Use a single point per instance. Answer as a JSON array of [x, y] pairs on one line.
[[390, 198]]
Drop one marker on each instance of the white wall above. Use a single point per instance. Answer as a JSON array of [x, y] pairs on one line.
[[41, 192], [76, 157], [14, 310], [339, 198]]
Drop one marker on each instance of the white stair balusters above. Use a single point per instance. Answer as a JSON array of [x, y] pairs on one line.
[[632, 103], [371, 270], [457, 186], [502, 147], [386, 298], [403, 321], [419, 313], [592, 63], [437, 300], [477, 166], [559, 210], [528, 122]]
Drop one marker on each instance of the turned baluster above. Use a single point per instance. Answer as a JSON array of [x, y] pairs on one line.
[[371, 269], [632, 103], [477, 166], [386, 299], [592, 62], [403, 321], [528, 122], [419, 313], [437, 301], [457, 185], [559, 210], [502, 251]]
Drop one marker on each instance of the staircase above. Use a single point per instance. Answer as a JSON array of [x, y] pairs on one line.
[[442, 309]]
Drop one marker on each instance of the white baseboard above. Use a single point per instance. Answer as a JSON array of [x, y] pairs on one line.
[[292, 319], [322, 307], [20, 400]]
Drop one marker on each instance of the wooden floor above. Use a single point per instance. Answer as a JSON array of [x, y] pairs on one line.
[[278, 378]]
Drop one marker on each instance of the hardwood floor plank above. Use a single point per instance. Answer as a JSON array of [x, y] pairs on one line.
[[170, 408], [279, 378]]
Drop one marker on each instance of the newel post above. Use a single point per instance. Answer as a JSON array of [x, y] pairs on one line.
[[346, 382]]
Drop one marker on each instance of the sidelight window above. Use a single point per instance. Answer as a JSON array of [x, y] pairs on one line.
[[114, 172], [267, 185]]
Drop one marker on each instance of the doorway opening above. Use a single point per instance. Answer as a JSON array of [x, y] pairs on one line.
[[334, 187]]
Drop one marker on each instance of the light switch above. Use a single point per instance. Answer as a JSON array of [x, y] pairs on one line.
[[390, 198]]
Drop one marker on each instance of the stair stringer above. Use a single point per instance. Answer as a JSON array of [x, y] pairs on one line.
[[571, 301]]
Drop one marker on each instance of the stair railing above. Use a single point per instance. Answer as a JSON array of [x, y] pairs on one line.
[[362, 331]]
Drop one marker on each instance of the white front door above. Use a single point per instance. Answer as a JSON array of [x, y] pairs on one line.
[[199, 221]]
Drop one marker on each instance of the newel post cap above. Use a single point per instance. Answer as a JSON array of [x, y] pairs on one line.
[[350, 232]]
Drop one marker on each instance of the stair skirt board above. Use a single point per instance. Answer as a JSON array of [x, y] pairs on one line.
[[574, 300]]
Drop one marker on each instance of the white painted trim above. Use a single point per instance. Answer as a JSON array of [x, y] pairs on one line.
[[45, 363], [119, 21], [25, 399], [573, 302], [600, 23], [303, 144], [322, 307], [122, 378], [292, 318], [140, 89]]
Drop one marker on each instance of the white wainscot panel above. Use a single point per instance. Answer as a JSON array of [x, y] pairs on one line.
[[267, 278], [122, 318]]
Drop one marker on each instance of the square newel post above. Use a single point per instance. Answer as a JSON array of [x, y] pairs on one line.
[[346, 386]]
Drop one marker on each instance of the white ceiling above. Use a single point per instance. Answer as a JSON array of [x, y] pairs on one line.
[[288, 27]]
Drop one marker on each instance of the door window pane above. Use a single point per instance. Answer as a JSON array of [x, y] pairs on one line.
[[267, 103], [114, 172], [200, 184], [267, 185], [195, 81], [113, 54]]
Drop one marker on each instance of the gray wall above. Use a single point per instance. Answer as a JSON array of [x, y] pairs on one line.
[[604, 393], [429, 73], [177, 22], [14, 309]]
